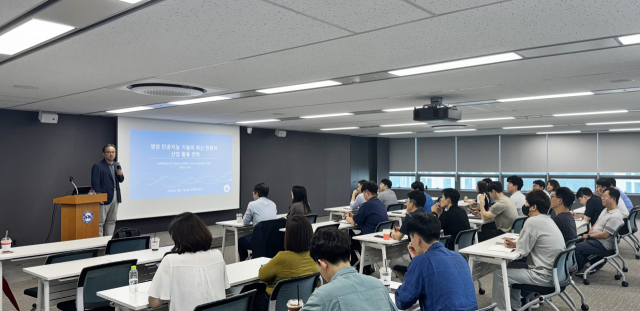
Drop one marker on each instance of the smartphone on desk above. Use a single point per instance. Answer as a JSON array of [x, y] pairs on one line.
[[378, 236]]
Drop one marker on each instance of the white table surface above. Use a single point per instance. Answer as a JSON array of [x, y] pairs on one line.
[[239, 273], [397, 214], [482, 248], [327, 223], [371, 238], [394, 286], [235, 223], [55, 248], [580, 210], [339, 209], [73, 268]]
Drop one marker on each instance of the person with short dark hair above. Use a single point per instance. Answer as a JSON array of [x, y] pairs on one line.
[[538, 184], [487, 180], [561, 203], [418, 185], [453, 218], [106, 177], [600, 240], [347, 289], [260, 209], [603, 184], [415, 206], [190, 264], [504, 211], [540, 241], [514, 187], [386, 195], [552, 185], [357, 199], [593, 205], [299, 203], [623, 196], [438, 278]]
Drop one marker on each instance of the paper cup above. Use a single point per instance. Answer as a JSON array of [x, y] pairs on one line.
[[386, 234], [295, 305], [155, 243]]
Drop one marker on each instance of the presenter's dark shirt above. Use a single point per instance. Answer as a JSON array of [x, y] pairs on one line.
[[370, 215]]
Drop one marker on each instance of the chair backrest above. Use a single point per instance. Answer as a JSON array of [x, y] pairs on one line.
[[551, 213], [98, 278], [489, 308], [312, 218], [572, 263], [445, 240], [288, 289], [126, 245], [465, 238], [561, 274], [517, 225], [71, 256], [394, 207], [241, 302], [385, 225], [125, 232], [267, 238], [336, 225], [633, 214]]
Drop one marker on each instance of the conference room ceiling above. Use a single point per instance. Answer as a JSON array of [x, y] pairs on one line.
[[244, 45]]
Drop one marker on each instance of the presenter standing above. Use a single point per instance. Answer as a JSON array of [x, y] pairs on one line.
[[106, 177]]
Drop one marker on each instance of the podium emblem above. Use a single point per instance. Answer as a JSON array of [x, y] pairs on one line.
[[87, 217]]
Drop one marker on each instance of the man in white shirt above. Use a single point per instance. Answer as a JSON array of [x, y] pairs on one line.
[[539, 185], [357, 198], [603, 184], [514, 187], [260, 209]]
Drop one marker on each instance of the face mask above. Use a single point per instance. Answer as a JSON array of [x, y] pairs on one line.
[[525, 210]]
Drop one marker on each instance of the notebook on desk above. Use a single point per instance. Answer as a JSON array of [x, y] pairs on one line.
[[501, 248]]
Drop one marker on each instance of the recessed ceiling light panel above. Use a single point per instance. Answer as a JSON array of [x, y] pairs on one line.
[[395, 133], [328, 115], [610, 123], [506, 100], [632, 39], [299, 87], [589, 113], [258, 121], [132, 109], [341, 128], [469, 62], [562, 132], [489, 119], [624, 130], [30, 34], [525, 127], [406, 124], [463, 130], [199, 100]]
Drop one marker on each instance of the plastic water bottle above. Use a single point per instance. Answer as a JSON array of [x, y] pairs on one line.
[[133, 280]]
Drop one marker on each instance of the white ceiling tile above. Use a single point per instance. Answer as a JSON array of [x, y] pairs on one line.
[[10, 9], [441, 7]]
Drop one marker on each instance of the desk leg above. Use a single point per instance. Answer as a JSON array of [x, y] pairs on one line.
[[235, 232], [39, 298], [224, 239], [384, 255], [505, 285], [45, 297], [362, 249], [476, 237], [1, 292], [471, 258]]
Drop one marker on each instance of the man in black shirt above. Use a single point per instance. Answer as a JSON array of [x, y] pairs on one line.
[[561, 202], [452, 217], [593, 205]]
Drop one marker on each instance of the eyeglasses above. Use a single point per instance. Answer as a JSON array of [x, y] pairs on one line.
[[110, 152]]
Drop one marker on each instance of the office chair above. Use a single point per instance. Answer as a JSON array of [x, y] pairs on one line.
[[517, 225], [125, 245], [464, 239], [632, 228], [572, 266], [384, 225], [288, 289], [395, 207], [444, 239], [337, 225], [543, 294], [609, 259], [312, 218], [240, 302], [489, 308]]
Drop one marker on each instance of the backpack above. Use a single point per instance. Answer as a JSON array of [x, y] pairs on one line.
[[125, 232]]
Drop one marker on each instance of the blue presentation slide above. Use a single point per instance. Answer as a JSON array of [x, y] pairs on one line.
[[173, 164]]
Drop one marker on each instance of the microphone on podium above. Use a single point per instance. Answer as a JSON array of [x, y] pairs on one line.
[[74, 185], [118, 166]]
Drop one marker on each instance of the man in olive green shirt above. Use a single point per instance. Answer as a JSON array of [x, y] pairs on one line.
[[347, 289], [503, 211]]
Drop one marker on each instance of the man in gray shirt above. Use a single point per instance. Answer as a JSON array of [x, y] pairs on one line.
[[599, 241], [260, 209], [540, 241], [504, 212], [386, 195]]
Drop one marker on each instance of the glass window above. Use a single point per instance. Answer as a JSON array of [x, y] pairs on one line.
[[576, 183], [401, 181], [527, 183], [629, 185], [438, 182], [469, 183]]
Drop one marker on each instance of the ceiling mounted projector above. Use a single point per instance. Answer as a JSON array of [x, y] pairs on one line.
[[166, 90], [437, 112]]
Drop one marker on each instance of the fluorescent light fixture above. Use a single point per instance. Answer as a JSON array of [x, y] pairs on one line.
[[132, 109], [258, 121], [463, 130], [406, 124], [341, 128], [525, 127], [624, 130], [299, 87], [30, 34], [544, 97], [328, 115], [610, 123], [395, 133], [399, 109], [131, 1], [490, 119], [199, 100], [632, 39], [469, 62], [588, 113], [563, 132]]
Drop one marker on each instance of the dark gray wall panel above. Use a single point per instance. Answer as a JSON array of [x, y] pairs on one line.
[[524, 153], [383, 158], [573, 153], [402, 155], [437, 154], [478, 154], [619, 153], [359, 155]]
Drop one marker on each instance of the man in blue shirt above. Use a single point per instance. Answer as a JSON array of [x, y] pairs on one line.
[[418, 185], [260, 209], [357, 198], [439, 278], [415, 206], [623, 196]]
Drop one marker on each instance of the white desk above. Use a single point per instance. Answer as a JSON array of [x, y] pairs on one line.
[[56, 272], [338, 211], [582, 226], [235, 230], [397, 215], [480, 252], [343, 225], [239, 273], [393, 287], [580, 210], [26, 255], [379, 248]]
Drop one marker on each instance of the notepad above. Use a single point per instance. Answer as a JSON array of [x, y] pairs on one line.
[[500, 248]]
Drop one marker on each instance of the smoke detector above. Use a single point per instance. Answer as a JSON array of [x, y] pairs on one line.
[[166, 89]]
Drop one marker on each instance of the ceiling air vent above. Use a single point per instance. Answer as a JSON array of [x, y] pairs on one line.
[[449, 127], [166, 90]]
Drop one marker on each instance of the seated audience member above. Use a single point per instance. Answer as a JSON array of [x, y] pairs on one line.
[[600, 240], [514, 187], [593, 205], [439, 278], [453, 218], [418, 185], [347, 289], [539, 185], [299, 204], [623, 196], [540, 241], [372, 212], [260, 209], [357, 199], [605, 183], [561, 203], [503, 211], [488, 181], [415, 203], [294, 261], [386, 195], [481, 188], [191, 264], [552, 185]]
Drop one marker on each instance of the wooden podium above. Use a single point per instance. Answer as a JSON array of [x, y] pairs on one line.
[[80, 216]]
